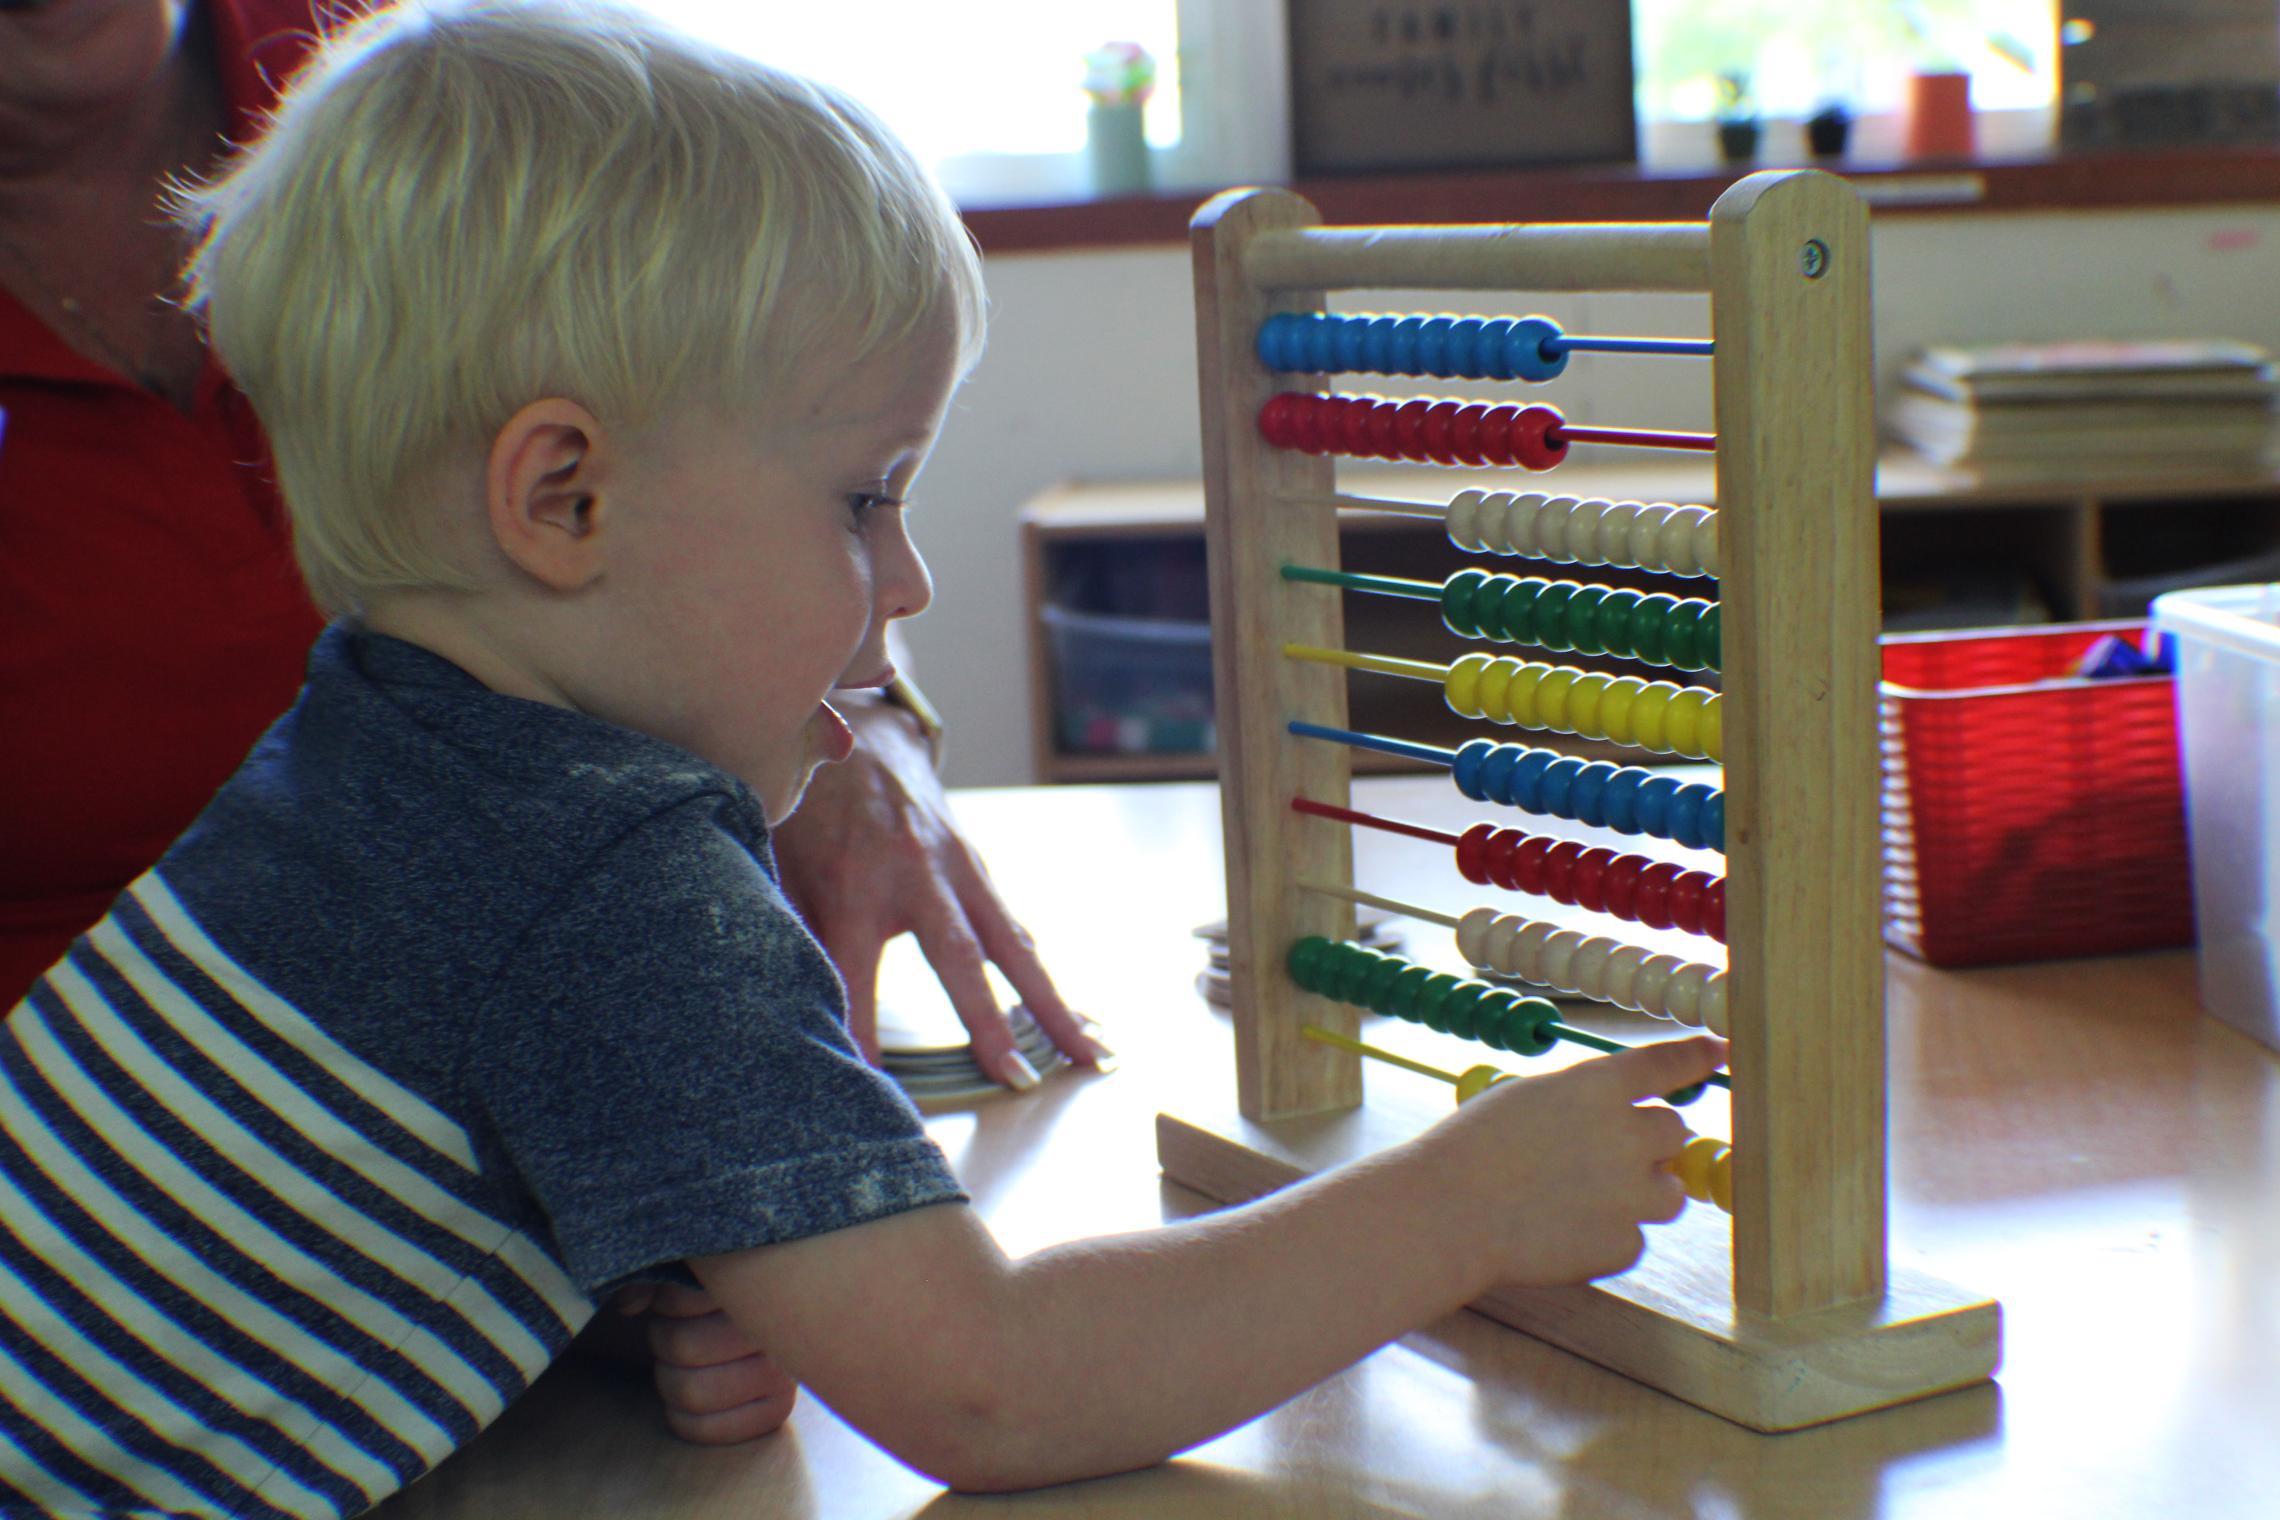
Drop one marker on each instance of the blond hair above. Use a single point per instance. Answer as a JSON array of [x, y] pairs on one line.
[[465, 205]]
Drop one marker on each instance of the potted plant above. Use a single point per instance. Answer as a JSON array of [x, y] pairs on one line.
[[1828, 129], [1737, 119]]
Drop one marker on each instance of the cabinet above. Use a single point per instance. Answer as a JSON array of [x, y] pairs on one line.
[[1116, 609]]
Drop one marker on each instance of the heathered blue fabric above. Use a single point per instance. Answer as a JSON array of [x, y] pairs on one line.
[[451, 1013]]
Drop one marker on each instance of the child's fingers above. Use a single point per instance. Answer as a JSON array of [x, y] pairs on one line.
[[705, 1340], [1618, 1252], [736, 1401], [1663, 1133], [679, 1301], [1666, 1198], [1649, 1071], [723, 1385], [729, 1427]]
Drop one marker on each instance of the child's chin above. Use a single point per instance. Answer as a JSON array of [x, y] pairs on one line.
[[779, 803]]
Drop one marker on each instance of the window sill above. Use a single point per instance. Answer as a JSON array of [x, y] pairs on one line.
[[2050, 180]]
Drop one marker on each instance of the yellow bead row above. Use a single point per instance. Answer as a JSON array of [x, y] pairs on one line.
[[1705, 1167], [1660, 716]]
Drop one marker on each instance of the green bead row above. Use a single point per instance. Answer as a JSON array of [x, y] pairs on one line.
[[1679, 632], [1498, 1017]]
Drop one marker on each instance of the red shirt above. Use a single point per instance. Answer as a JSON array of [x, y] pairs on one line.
[[152, 623]]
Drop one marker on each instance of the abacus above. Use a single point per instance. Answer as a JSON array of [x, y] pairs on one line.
[[1778, 1309]]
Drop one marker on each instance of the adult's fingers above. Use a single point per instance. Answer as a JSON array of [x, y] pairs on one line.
[[855, 948], [951, 947], [1013, 952]]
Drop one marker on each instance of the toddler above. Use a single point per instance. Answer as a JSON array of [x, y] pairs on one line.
[[598, 367]]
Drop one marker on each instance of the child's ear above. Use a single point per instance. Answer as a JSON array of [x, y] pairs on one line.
[[543, 491]]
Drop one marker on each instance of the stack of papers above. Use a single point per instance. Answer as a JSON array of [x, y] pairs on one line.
[[2110, 408], [937, 1067]]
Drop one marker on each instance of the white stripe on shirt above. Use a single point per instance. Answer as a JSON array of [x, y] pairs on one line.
[[418, 1117], [35, 1482], [344, 1143], [219, 1375], [85, 1440], [162, 1253], [153, 1409], [312, 1200], [256, 1242]]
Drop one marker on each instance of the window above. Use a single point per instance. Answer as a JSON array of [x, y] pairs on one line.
[[991, 94], [1791, 57]]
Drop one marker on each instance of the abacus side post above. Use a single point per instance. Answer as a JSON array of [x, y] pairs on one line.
[[1248, 537], [1797, 533]]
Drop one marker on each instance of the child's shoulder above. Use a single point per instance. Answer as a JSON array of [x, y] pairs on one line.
[[398, 838], [392, 744]]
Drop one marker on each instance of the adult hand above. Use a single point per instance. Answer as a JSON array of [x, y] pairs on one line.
[[872, 853]]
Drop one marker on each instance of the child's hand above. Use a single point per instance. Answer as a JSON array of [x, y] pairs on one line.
[[1569, 1166], [718, 1387]]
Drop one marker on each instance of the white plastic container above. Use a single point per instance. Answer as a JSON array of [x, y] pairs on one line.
[[2228, 723]]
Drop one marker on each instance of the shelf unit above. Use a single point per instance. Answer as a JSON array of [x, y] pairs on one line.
[[2097, 546]]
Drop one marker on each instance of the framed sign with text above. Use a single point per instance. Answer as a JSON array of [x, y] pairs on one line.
[[1442, 84], [2143, 73]]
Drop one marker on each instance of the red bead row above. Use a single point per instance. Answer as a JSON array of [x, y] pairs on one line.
[[1428, 432], [1656, 893]]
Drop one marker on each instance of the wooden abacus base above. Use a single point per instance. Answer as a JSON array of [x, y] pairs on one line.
[[1669, 1322]]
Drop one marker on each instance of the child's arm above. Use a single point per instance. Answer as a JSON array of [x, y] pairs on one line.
[[1109, 1354]]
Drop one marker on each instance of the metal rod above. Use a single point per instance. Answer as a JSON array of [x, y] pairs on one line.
[[1407, 749], [1371, 820], [1383, 585]]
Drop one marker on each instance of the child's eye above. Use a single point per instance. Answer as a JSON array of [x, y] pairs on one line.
[[861, 504]]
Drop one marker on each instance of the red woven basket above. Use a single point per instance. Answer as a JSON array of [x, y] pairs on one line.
[[2028, 814]]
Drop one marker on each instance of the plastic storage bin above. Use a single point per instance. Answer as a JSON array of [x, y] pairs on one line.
[[1129, 685], [2228, 690], [2029, 814]]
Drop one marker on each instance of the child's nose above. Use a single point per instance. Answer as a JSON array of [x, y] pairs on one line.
[[905, 588]]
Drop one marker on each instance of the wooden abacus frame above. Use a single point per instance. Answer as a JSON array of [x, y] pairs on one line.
[[1791, 1317]]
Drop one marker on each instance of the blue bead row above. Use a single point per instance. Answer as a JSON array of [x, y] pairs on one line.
[[1466, 348], [1625, 798]]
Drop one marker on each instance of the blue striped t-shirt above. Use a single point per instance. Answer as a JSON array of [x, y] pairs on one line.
[[450, 1014]]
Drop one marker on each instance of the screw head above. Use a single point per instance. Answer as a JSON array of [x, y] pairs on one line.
[[1813, 259]]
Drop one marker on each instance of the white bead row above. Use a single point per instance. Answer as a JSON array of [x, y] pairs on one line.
[[1676, 540], [1594, 966]]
